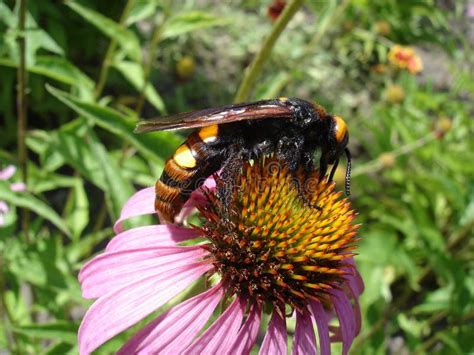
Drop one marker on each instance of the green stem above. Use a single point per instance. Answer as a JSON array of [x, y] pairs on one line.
[[375, 164], [22, 112], [104, 70], [155, 39], [253, 71]]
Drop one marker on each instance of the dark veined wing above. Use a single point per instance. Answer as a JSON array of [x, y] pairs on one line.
[[224, 114]]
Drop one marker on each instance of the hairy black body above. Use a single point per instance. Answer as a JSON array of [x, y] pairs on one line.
[[291, 129]]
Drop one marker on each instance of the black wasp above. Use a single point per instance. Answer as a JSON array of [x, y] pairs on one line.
[[292, 129]]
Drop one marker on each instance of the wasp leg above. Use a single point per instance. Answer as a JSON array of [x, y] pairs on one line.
[[226, 181], [291, 151]]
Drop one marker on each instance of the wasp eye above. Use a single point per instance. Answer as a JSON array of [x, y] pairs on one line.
[[340, 129]]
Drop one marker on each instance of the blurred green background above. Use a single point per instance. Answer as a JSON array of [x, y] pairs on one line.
[[94, 67]]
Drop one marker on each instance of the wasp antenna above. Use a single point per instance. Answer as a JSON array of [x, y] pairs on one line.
[[348, 172], [333, 170]]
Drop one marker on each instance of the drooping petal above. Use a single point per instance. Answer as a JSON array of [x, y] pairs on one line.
[[354, 279], [175, 329], [346, 317], [248, 333], [220, 336], [141, 203], [304, 341], [150, 236], [111, 271], [119, 310], [275, 341], [322, 321], [18, 186], [7, 173]]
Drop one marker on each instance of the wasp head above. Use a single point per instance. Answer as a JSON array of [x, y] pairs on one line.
[[338, 138]]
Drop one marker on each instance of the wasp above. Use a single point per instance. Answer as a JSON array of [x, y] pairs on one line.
[[290, 128]]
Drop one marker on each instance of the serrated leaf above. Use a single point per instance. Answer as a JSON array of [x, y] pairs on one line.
[[155, 146], [26, 200], [133, 72], [189, 22], [126, 39]]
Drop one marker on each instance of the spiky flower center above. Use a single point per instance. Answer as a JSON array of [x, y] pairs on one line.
[[277, 242]]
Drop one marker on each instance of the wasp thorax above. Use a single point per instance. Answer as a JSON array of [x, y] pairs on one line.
[[273, 245]]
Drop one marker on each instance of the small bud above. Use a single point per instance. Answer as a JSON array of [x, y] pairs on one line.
[[275, 9], [394, 94], [442, 126], [382, 28], [379, 68], [185, 67], [387, 160]]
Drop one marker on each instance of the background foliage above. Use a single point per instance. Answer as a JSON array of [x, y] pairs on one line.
[[95, 66]]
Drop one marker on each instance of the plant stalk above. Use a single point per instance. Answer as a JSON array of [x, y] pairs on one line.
[[107, 62], [255, 68], [22, 111]]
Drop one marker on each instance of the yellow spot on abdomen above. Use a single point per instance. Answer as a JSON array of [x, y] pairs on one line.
[[283, 99], [184, 157], [340, 129], [209, 134]]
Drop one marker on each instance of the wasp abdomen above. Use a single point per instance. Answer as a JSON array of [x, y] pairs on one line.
[[184, 172]]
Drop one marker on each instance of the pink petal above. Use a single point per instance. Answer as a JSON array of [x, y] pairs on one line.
[[322, 321], [275, 339], [354, 279], [175, 329], [197, 198], [4, 207], [220, 336], [18, 186], [7, 173], [304, 341], [141, 203], [346, 318], [117, 311], [150, 236], [248, 332], [109, 272]]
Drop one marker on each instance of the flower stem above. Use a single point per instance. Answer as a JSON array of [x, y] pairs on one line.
[[22, 111], [376, 165], [255, 67], [104, 70], [155, 39]]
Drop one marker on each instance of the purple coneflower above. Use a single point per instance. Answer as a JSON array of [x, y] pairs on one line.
[[6, 174], [272, 253]]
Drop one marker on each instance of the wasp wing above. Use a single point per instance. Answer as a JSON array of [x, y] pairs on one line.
[[219, 115]]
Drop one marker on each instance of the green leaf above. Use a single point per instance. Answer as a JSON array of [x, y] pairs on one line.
[[155, 146], [64, 331], [141, 10], [133, 72], [189, 22], [58, 68], [26, 200], [35, 37], [127, 40], [118, 190], [77, 211]]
